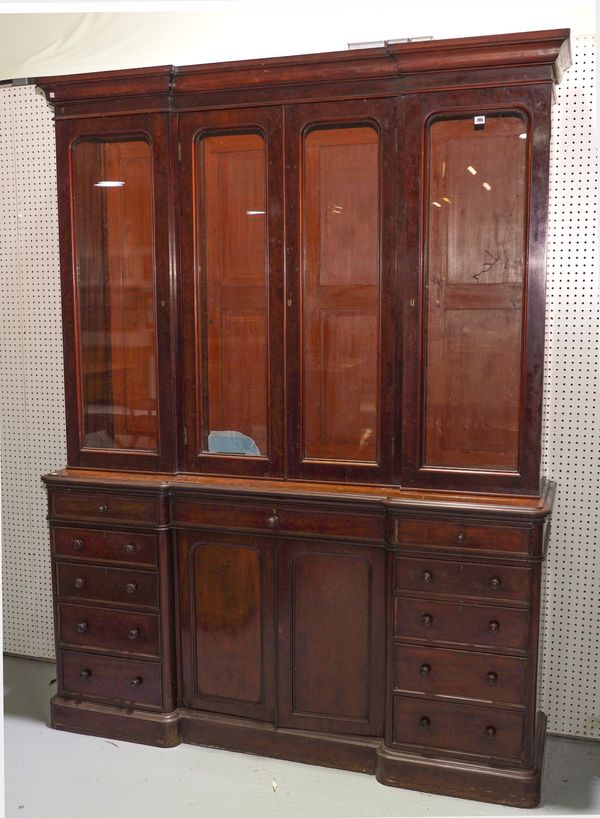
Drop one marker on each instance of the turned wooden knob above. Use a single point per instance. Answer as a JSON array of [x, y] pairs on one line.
[[494, 626], [461, 537], [273, 520], [425, 669], [136, 682], [426, 576], [85, 674], [495, 583], [133, 633], [77, 544], [103, 508], [492, 678], [427, 619], [131, 587], [490, 733], [81, 627], [79, 582], [425, 723]]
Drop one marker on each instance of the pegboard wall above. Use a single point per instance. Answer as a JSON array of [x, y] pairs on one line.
[[32, 400]]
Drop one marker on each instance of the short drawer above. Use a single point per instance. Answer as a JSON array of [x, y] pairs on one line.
[[274, 518], [480, 731], [105, 546], [462, 674], [461, 623], [127, 632], [462, 578], [446, 534], [101, 507], [96, 583], [120, 681]]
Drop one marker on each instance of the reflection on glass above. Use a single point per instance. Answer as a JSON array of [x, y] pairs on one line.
[[340, 306], [232, 269], [475, 281], [112, 203]]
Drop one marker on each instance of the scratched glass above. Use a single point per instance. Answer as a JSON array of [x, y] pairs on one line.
[[475, 276]]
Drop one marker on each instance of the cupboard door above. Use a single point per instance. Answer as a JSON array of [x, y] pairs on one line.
[[115, 262], [232, 258], [479, 385], [331, 644], [226, 623], [341, 194]]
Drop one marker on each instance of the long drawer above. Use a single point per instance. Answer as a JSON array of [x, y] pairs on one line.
[[460, 674], [456, 577], [115, 680], [277, 518], [461, 623], [102, 507], [481, 731], [100, 584], [90, 627], [447, 534], [126, 548]]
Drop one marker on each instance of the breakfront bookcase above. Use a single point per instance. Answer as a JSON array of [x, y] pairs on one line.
[[303, 306]]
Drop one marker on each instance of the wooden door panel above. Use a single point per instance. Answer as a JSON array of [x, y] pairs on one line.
[[331, 644], [226, 619]]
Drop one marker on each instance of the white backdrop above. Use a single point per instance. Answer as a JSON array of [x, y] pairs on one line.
[[31, 387]]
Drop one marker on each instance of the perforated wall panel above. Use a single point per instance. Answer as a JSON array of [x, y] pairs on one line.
[[31, 384], [32, 408]]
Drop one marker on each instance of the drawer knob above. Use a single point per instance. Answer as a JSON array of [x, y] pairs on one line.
[[427, 619], [129, 548], [81, 627], [492, 678], [136, 682], [85, 674], [77, 544], [425, 669], [103, 508], [426, 577], [495, 583], [273, 519], [133, 633], [494, 626], [425, 723], [490, 733], [461, 536], [131, 587], [79, 582]]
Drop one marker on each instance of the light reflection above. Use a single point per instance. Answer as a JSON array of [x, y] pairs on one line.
[[437, 204], [109, 183], [472, 170], [486, 185]]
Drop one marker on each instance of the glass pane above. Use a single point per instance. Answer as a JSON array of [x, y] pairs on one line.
[[340, 308], [112, 202], [477, 201], [232, 233]]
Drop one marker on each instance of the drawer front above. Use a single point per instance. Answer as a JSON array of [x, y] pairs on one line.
[[462, 578], [445, 534], [105, 546], [103, 506], [95, 583], [462, 728], [460, 623], [467, 675], [273, 518], [122, 681], [128, 632]]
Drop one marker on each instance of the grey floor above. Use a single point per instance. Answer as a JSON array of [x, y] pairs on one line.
[[50, 774]]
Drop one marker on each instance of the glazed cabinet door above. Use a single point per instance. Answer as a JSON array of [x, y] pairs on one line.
[[226, 625], [341, 211], [115, 267], [232, 239], [473, 383], [331, 637]]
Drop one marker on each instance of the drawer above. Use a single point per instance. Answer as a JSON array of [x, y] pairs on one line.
[[446, 534], [274, 518], [120, 681], [128, 632], [480, 731], [461, 623], [96, 583], [462, 578], [105, 546], [463, 674], [103, 507]]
